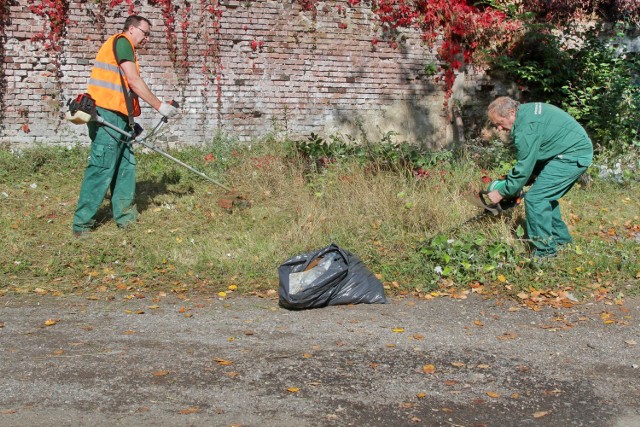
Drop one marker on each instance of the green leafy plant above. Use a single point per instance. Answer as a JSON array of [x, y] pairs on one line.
[[385, 154], [468, 258]]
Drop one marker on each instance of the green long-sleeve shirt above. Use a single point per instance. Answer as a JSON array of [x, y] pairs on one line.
[[542, 132]]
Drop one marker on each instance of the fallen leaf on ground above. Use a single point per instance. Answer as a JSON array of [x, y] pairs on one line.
[[507, 336], [293, 389], [223, 362], [190, 410], [161, 373], [429, 369], [493, 394], [540, 414], [397, 330], [50, 322]]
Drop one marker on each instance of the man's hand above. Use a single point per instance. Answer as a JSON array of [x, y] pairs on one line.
[[167, 110], [495, 197]]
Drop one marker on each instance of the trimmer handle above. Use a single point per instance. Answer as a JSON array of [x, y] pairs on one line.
[[173, 103]]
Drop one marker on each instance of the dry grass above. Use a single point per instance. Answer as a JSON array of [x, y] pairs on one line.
[[184, 241]]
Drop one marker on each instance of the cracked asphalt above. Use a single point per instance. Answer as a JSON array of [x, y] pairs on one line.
[[243, 361]]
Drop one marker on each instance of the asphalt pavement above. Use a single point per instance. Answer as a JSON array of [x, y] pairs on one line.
[[167, 360]]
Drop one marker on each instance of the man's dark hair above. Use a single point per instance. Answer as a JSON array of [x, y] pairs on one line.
[[133, 21]]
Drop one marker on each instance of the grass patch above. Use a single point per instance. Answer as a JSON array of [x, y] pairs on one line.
[[398, 222]]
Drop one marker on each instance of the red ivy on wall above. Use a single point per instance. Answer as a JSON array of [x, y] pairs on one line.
[[167, 8], [55, 16], [463, 29], [184, 64], [115, 3], [211, 13]]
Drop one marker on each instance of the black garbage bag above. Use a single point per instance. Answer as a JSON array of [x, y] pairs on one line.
[[327, 276]]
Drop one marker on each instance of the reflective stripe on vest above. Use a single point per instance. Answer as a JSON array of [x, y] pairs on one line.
[[105, 85]]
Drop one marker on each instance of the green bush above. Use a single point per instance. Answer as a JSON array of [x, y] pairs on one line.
[[584, 73], [385, 154], [604, 94]]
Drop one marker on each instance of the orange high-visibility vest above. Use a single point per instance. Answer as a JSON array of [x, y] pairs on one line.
[[105, 85]]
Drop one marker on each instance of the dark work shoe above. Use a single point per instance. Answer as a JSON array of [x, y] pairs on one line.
[[80, 234], [541, 261], [564, 246]]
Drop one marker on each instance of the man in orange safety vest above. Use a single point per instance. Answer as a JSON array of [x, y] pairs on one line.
[[116, 87]]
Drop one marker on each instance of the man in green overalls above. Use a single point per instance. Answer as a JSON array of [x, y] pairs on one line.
[[552, 150]]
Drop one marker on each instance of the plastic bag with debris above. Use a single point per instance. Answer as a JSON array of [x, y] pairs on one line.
[[327, 276]]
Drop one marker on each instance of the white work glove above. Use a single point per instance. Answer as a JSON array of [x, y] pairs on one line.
[[168, 110]]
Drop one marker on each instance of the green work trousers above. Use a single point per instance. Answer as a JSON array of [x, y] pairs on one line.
[[545, 227], [112, 165]]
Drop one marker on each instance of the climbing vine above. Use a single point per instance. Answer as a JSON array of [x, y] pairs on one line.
[[178, 52], [183, 64], [210, 16], [563, 11], [5, 17], [55, 14], [115, 3], [55, 17], [460, 28]]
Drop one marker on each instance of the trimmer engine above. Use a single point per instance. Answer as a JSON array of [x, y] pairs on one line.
[[81, 110]]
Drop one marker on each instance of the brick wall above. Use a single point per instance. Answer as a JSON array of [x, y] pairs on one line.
[[261, 68]]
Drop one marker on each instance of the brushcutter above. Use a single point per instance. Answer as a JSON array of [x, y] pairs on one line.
[[503, 205], [488, 208], [82, 110]]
